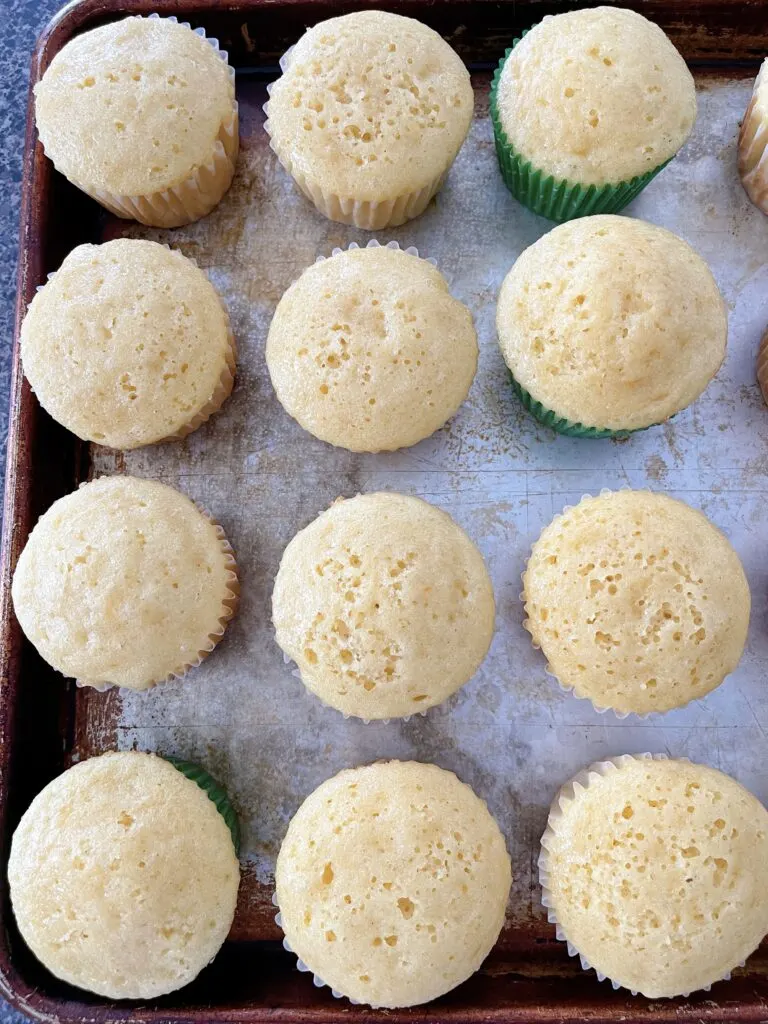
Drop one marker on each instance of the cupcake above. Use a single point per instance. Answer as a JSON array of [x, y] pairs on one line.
[[123, 877], [384, 604], [392, 883], [610, 325], [128, 344], [369, 350], [368, 116], [125, 582], [753, 143], [141, 115], [656, 873], [637, 601], [587, 108]]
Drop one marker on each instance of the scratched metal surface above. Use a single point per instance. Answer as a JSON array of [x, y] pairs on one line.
[[511, 733]]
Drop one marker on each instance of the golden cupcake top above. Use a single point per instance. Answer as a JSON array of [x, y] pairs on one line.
[[127, 344], [124, 582], [385, 605], [123, 877], [371, 105], [637, 601], [133, 107], [596, 96], [368, 350], [657, 873], [392, 883], [611, 322]]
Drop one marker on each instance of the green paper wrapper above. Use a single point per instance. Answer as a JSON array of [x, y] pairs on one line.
[[556, 198], [215, 792], [560, 424]]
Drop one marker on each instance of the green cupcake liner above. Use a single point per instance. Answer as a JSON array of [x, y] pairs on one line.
[[562, 425], [556, 198], [214, 791]]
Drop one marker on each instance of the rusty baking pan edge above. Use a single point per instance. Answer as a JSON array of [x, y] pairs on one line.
[[43, 462]]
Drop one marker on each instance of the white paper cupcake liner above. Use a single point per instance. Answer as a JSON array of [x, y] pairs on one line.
[[198, 194], [566, 795], [368, 214], [229, 605], [753, 147], [549, 671], [373, 243]]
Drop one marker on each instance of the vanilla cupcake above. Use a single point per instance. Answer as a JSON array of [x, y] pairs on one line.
[[125, 582], [123, 877], [368, 350], [128, 344], [753, 143], [587, 108], [637, 601], [384, 604], [392, 883], [656, 873], [610, 325], [368, 116], [141, 115]]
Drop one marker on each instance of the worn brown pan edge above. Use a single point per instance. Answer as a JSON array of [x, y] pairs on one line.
[[44, 462]]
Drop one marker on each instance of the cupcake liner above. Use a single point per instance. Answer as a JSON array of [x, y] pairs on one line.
[[198, 194], [762, 366], [753, 148], [368, 214], [373, 243], [214, 791], [556, 198], [229, 605], [560, 424], [566, 795]]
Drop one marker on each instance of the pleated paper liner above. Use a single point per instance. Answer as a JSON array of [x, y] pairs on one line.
[[556, 198], [214, 791], [565, 426]]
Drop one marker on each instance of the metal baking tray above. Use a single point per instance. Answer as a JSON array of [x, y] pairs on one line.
[[511, 733]]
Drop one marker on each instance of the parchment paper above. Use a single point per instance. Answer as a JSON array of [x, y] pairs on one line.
[[511, 733]]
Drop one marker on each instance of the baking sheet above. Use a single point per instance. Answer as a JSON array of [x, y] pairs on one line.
[[510, 733]]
